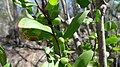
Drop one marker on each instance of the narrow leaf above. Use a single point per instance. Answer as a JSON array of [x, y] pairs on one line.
[[30, 23], [83, 59], [3, 58], [83, 3], [75, 24]]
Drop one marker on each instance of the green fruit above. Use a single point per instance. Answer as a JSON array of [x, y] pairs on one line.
[[56, 21], [64, 60], [41, 18]]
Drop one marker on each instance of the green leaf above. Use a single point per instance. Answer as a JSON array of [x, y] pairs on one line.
[[68, 65], [88, 20], [30, 23], [113, 25], [30, 4], [53, 2], [54, 11], [7, 65], [107, 26], [83, 59], [92, 37], [110, 61], [18, 3], [86, 46], [31, 34], [56, 49], [28, 15], [57, 63], [24, 4], [46, 36], [3, 57], [47, 50], [75, 24], [41, 19], [98, 15], [30, 11], [83, 3], [116, 48], [111, 40], [110, 25]]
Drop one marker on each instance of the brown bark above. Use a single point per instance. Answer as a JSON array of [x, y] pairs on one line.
[[101, 34]]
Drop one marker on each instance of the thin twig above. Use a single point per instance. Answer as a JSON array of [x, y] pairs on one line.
[[49, 22]]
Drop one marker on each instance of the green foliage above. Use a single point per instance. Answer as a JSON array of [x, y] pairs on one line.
[[7, 65], [83, 59], [53, 2], [3, 57], [48, 50], [109, 61], [86, 46], [110, 26], [88, 20], [98, 15], [116, 48], [30, 23], [92, 37], [64, 60], [41, 19], [31, 34], [113, 25], [107, 26], [44, 26], [24, 3], [56, 48], [111, 40], [83, 3], [54, 11], [75, 24], [94, 62]]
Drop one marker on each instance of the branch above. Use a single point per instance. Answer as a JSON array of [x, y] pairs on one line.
[[64, 6], [9, 12], [49, 22], [101, 35]]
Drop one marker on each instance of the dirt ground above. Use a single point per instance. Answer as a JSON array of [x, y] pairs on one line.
[[31, 55]]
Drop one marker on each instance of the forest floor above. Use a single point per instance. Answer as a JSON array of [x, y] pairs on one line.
[[31, 55]]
